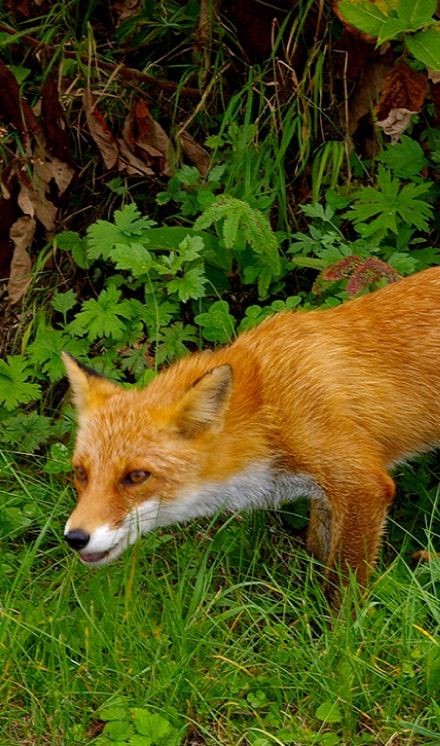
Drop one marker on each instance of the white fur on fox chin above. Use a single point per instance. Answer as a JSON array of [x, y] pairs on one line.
[[259, 486]]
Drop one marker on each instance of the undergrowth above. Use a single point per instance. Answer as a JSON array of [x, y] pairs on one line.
[[139, 293]]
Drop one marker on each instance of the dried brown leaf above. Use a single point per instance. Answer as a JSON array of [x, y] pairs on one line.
[[396, 123], [35, 205], [433, 75], [130, 163], [35, 196], [8, 182], [98, 129], [147, 139], [21, 234], [195, 152], [403, 88], [403, 93], [51, 172]]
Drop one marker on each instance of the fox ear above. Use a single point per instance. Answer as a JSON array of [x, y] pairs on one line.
[[203, 405], [90, 389]]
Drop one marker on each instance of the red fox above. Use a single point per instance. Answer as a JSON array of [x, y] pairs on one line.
[[320, 404]]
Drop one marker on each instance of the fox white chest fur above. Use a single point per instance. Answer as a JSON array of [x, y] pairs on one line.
[[259, 486], [316, 404]]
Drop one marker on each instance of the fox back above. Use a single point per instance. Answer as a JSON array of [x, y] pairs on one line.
[[320, 404]]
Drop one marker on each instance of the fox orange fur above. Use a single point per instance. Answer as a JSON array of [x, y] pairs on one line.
[[319, 403]]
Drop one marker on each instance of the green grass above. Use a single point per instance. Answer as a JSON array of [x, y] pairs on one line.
[[218, 627]]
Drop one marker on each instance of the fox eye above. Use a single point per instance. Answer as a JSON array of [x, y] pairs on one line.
[[80, 474], [137, 476]]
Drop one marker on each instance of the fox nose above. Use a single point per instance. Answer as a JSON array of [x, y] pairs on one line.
[[77, 538]]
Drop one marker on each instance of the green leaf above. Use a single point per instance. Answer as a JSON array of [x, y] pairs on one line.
[[218, 325], [45, 351], [416, 13], [28, 431], [205, 197], [329, 712], [316, 210], [391, 29], [153, 726], [403, 263], [15, 389], [425, 46], [102, 237], [64, 302], [243, 223], [134, 258], [254, 315], [406, 158], [230, 228], [103, 317], [130, 222], [77, 246], [20, 73], [411, 209], [16, 520], [259, 272], [170, 237], [426, 257], [190, 285], [156, 314], [389, 205], [191, 248], [112, 713], [58, 461], [117, 186], [118, 730], [365, 16], [173, 342], [257, 698], [331, 739], [128, 226], [138, 740], [188, 175], [216, 173]]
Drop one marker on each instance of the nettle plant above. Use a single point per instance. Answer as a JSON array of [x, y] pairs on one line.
[[162, 291]]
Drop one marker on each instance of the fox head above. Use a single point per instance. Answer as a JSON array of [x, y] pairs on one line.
[[140, 455]]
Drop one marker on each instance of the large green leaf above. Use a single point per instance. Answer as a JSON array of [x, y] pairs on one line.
[[364, 15], [169, 237], [416, 13], [391, 29], [330, 712], [15, 389], [425, 46]]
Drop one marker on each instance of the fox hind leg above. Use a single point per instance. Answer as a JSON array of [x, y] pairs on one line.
[[358, 514], [319, 531]]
